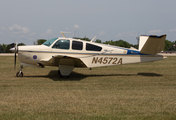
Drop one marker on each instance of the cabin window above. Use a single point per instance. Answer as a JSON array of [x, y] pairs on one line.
[[91, 47], [76, 45], [49, 42], [62, 44]]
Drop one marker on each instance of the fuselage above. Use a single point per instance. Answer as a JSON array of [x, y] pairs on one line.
[[83, 53]]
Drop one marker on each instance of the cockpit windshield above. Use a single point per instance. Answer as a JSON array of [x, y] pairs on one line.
[[49, 42]]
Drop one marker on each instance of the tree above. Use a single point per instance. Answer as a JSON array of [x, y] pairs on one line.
[[120, 43], [86, 39], [168, 45], [21, 44], [40, 41], [174, 43], [1, 49], [98, 41], [4, 47], [136, 46], [8, 47]]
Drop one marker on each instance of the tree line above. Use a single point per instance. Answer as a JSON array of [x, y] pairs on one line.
[[169, 46]]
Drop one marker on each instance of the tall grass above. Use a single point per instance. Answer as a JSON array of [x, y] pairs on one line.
[[135, 91]]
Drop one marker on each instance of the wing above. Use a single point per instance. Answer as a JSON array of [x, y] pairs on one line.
[[62, 60]]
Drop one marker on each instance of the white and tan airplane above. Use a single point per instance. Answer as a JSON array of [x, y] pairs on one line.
[[68, 53]]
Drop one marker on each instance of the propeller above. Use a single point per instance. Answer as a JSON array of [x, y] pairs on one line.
[[16, 51]]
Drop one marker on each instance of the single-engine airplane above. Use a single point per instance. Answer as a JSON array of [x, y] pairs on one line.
[[68, 53]]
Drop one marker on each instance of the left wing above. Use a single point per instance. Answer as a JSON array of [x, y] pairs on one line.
[[63, 60]]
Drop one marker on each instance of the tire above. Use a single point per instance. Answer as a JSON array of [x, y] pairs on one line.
[[19, 74]]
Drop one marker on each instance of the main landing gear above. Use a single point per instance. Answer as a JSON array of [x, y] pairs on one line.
[[62, 76], [20, 73], [65, 70]]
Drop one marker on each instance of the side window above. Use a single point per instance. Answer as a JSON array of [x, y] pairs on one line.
[[62, 44], [76, 45], [91, 47]]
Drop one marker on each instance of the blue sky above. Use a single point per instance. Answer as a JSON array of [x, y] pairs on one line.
[[28, 20]]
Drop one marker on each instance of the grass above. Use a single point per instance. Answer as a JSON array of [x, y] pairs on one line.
[[137, 91]]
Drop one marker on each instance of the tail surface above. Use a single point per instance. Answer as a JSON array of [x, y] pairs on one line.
[[151, 44]]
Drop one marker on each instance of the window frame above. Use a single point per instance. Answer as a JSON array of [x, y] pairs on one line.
[[58, 46], [76, 45], [92, 47]]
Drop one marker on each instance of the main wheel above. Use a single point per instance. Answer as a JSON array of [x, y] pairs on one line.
[[62, 76], [19, 74]]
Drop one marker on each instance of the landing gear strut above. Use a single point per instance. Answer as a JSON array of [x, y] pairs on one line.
[[20, 73], [62, 76], [65, 70]]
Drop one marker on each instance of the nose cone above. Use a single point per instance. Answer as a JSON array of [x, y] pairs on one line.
[[13, 50]]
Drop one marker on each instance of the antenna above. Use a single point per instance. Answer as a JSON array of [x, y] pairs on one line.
[[137, 38], [63, 33], [93, 39]]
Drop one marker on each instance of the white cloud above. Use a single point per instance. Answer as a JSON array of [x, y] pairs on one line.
[[119, 35], [172, 30], [76, 26], [31, 39], [155, 31], [3, 28], [47, 33], [66, 28], [126, 34], [18, 29], [31, 34], [21, 36], [101, 33]]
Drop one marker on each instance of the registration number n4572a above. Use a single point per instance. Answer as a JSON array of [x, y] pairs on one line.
[[106, 60]]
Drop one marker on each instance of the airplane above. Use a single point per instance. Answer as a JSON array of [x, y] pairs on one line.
[[68, 53]]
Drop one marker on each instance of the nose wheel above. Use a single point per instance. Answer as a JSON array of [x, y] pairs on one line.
[[20, 73]]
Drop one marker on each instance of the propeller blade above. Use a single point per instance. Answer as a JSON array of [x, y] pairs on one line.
[[16, 51], [15, 62]]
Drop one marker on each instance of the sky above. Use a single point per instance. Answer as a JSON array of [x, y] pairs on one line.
[[25, 21]]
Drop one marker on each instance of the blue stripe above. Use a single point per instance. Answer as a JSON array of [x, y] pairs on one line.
[[134, 52]]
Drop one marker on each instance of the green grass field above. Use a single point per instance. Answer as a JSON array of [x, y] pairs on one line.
[[145, 91]]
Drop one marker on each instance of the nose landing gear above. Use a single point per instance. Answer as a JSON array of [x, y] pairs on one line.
[[20, 73]]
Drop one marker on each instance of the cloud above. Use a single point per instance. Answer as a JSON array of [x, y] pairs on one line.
[[66, 28], [155, 31], [18, 29], [76, 26], [31, 39], [21, 36], [31, 34], [47, 33], [3, 28], [126, 34], [119, 35], [101, 33], [172, 30]]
